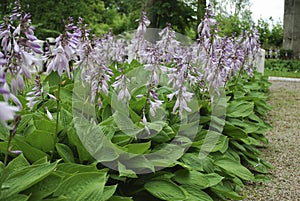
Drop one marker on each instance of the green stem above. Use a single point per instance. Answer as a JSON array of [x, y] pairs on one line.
[[7, 148], [12, 134], [57, 117]]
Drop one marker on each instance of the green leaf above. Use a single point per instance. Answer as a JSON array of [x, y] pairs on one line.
[[83, 186], [195, 194], [3, 133], [212, 142], [17, 163], [193, 160], [124, 172], [192, 178], [66, 118], [31, 153], [23, 123], [17, 197], [165, 190], [138, 148], [65, 152], [119, 198], [108, 192], [53, 79], [240, 109], [234, 131], [84, 155], [73, 168], [226, 190], [234, 167], [44, 188], [26, 178], [41, 140], [213, 178]]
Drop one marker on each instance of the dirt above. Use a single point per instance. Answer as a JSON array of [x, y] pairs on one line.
[[284, 150]]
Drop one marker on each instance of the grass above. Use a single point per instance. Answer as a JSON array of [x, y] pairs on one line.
[[274, 73]]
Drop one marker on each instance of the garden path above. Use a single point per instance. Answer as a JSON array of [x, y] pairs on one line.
[[284, 150]]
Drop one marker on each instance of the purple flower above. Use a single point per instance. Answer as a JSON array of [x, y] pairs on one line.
[[59, 62], [121, 84], [7, 112]]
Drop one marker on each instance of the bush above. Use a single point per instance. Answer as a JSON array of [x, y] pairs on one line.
[[282, 65]]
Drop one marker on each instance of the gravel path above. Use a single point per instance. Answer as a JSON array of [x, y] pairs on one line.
[[284, 150]]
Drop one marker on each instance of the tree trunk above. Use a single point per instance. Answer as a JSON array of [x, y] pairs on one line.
[[291, 38]]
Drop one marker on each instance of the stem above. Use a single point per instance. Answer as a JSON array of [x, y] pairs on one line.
[[7, 148], [12, 134], [57, 117]]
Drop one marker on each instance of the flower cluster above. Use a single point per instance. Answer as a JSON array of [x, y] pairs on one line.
[[65, 50], [18, 49]]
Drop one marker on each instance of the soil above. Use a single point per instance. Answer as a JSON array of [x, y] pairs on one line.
[[284, 150]]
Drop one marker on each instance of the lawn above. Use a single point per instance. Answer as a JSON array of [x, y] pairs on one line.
[[274, 73]]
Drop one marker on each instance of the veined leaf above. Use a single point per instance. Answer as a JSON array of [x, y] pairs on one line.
[[65, 152], [44, 188], [226, 190], [42, 140], [26, 178], [234, 131], [123, 171], [119, 198], [31, 153], [138, 148], [83, 186], [195, 194], [234, 167], [192, 178], [17, 197], [108, 192], [165, 190], [17, 163], [240, 109]]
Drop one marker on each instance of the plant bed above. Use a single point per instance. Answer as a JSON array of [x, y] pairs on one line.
[[114, 119]]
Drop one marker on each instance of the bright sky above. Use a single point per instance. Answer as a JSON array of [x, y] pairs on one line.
[[266, 8]]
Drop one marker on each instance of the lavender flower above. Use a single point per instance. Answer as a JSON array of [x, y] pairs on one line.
[[7, 112], [18, 49], [121, 84], [65, 50], [168, 44], [36, 94], [139, 44]]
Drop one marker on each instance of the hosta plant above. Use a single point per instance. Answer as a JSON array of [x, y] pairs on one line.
[[114, 118]]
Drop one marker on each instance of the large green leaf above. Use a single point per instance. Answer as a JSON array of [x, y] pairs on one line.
[[123, 171], [17, 197], [41, 139], [83, 186], [26, 178], [108, 192], [73, 168], [234, 131], [138, 148], [17, 163], [195, 194], [44, 188], [65, 152], [239, 109], [31, 153], [225, 190], [234, 167], [193, 161], [165, 190], [212, 142], [192, 178], [119, 198]]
